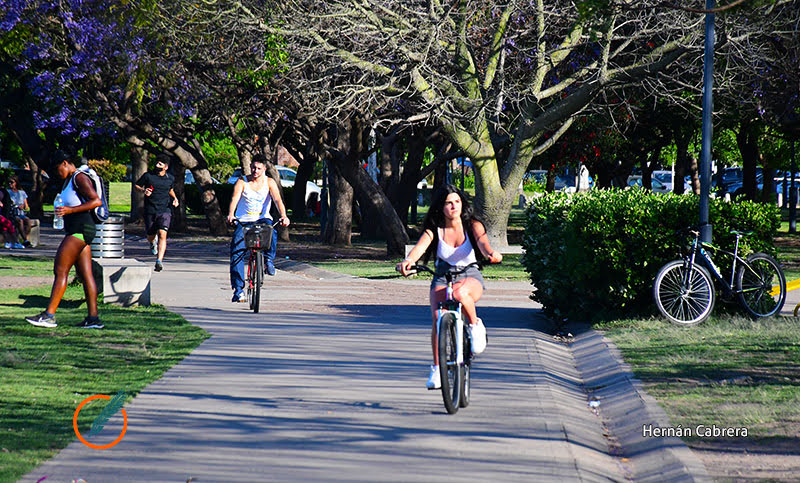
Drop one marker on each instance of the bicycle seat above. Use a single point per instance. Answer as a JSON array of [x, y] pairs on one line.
[[741, 233]]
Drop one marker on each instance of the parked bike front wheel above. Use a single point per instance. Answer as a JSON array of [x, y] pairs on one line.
[[684, 297], [761, 285], [451, 373]]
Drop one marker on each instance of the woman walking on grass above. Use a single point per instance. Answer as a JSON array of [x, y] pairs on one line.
[[79, 199]]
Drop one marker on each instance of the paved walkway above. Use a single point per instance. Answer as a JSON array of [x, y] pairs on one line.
[[327, 384]]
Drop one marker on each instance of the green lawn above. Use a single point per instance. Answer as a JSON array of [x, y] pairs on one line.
[[119, 197], [729, 371], [46, 373]]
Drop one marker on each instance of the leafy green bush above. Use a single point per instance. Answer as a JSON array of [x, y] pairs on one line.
[[108, 170], [595, 255]]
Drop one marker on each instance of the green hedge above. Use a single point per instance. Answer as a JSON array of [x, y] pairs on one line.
[[224, 193], [595, 255]]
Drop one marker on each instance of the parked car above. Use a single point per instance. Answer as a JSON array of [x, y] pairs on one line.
[[287, 175], [657, 186], [665, 177], [736, 188]]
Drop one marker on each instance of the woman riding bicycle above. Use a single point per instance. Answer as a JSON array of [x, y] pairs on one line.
[[453, 232], [251, 202]]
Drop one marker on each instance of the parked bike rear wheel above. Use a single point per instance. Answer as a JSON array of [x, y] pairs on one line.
[[684, 298], [762, 287], [451, 373]]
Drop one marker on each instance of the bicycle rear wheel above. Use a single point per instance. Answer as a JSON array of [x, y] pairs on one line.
[[761, 285], [449, 370], [258, 280], [684, 297]]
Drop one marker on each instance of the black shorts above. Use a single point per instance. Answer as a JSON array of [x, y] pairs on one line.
[[156, 221], [81, 224]]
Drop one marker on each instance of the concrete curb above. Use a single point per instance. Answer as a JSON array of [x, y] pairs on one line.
[[626, 408]]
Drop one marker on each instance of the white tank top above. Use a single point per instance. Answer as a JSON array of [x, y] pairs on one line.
[[459, 256], [254, 205]]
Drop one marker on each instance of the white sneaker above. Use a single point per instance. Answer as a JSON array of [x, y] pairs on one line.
[[434, 380], [477, 334]]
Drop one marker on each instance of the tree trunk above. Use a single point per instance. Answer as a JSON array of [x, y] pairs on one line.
[[138, 168], [403, 192], [681, 161], [747, 140], [373, 199], [694, 172], [339, 227], [196, 162]]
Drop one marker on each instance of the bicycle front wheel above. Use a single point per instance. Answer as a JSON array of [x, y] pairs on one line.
[[761, 285], [684, 297], [464, 400], [258, 280], [249, 281], [449, 370]]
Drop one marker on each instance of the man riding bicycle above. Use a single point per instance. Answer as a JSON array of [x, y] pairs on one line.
[[451, 229], [251, 203]]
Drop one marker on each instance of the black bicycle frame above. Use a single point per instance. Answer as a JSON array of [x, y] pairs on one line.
[[708, 263]]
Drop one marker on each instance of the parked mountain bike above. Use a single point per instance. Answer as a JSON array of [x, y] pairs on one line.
[[684, 289], [454, 344], [257, 239]]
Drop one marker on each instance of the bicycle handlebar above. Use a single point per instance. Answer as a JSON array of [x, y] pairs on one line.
[[453, 270]]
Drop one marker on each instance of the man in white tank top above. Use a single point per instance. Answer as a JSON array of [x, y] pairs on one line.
[[251, 203]]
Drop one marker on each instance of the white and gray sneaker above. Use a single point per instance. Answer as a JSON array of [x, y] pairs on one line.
[[477, 334], [434, 380], [42, 320]]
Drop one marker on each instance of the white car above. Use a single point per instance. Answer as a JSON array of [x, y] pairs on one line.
[[188, 178], [666, 178], [287, 175]]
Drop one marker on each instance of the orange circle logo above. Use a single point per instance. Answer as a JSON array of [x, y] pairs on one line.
[[96, 446]]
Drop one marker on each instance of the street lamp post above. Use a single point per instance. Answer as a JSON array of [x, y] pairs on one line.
[[708, 109]]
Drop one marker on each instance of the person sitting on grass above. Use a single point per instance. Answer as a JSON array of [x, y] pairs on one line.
[[7, 220], [19, 201], [75, 249]]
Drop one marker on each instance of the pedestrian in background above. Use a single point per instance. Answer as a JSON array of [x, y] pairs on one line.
[[159, 198]]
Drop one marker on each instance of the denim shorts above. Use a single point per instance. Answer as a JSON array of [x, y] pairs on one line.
[[439, 279]]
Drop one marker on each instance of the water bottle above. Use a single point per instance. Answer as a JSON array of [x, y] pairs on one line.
[[58, 221]]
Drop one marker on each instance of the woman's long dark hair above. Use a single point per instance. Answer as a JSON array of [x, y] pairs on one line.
[[435, 219]]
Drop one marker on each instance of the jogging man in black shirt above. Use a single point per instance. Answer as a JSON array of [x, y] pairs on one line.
[[157, 187]]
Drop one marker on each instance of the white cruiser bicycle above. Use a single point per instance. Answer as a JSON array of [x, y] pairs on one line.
[[454, 344]]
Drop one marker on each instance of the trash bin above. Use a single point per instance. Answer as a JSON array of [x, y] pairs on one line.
[[110, 239]]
